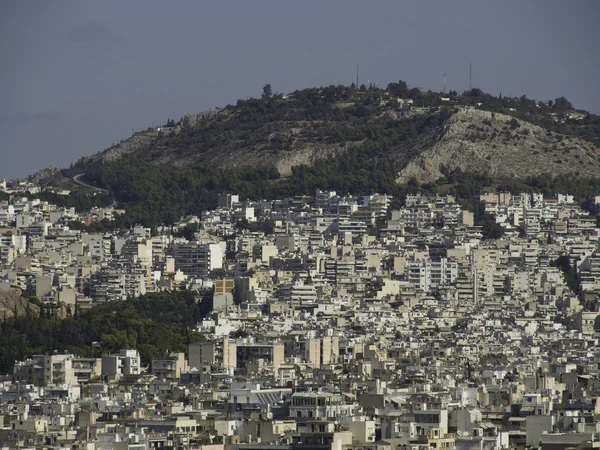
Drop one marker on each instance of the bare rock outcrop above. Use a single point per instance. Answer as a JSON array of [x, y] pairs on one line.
[[500, 146], [43, 174], [13, 303]]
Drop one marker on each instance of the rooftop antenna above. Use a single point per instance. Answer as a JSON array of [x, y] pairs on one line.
[[470, 74]]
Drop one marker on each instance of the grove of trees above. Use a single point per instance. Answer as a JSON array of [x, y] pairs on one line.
[[152, 324]]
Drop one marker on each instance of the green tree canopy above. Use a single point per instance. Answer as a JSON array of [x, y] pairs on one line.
[[267, 91]]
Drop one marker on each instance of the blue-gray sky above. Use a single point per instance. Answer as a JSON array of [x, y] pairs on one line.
[[77, 76]]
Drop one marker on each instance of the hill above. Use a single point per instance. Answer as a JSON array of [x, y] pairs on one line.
[[338, 137]]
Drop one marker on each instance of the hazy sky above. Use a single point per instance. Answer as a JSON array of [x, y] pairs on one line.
[[77, 76]]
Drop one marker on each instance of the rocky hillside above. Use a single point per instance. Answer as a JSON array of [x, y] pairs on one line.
[[285, 133], [337, 138], [500, 146], [12, 303], [215, 140]]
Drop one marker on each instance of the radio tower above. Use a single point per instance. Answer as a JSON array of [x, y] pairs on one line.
[[444, 81], [356, 74], [470, 74]]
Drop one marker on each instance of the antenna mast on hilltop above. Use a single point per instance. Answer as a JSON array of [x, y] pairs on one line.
[[356, 74], [444, 81], [470, 74]]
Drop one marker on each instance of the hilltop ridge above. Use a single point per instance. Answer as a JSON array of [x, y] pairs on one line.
[[297, 129], [339, 138]]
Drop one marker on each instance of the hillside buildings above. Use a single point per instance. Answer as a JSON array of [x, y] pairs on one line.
[[350, 324]]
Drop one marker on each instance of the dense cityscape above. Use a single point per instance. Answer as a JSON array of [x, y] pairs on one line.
[[327, 322], [252, 225]]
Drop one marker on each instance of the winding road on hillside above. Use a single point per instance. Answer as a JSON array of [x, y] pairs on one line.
[[77, 179]]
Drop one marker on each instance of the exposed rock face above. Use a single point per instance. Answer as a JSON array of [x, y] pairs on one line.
[[191, 120], [305, 155], [234, 153], [141, 141], [126, 147], [13, 303], [498, 145], [43, 174]]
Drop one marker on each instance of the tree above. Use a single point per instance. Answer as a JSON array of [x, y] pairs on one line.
[[267, 91], [414, 93], [189, 231], [361, 111], [489, 228], [561, 105], [399, 89], [475, 92], [570, 273]]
